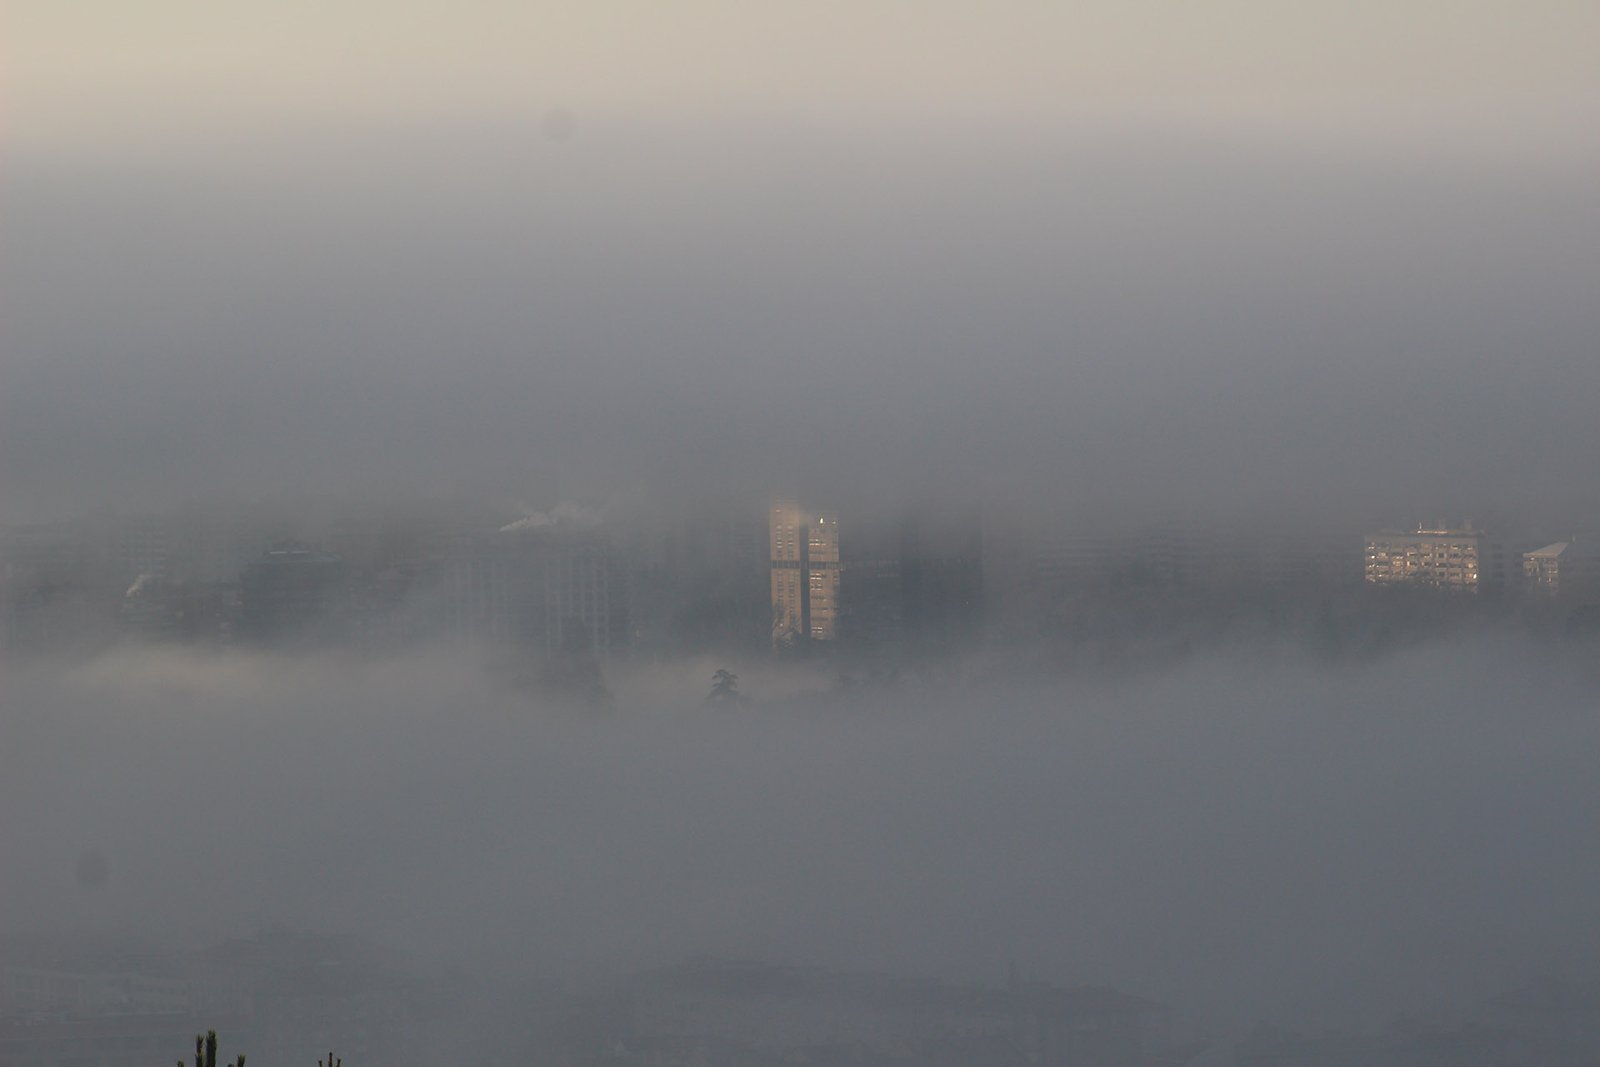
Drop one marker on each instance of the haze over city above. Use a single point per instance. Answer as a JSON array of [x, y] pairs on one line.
[[722, 534]]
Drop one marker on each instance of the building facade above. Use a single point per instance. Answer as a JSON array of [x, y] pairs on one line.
[[822, 576], [805, 570], [293, 591], [1566, 569], [1432, 557], [542, 590], [786, 533]]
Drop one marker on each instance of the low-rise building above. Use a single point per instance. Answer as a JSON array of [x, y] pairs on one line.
[[1566, 569]]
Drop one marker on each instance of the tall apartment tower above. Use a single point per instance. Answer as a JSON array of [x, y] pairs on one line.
[[804, 549], [822, 576]]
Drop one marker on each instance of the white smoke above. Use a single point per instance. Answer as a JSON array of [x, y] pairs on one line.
[[565, 513]]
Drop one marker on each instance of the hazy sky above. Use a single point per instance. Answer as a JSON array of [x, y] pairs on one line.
[[1488, 66], [1226, 259]]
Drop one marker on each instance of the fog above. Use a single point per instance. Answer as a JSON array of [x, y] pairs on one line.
[[1245, 839], [849, 513], [1145, 320]]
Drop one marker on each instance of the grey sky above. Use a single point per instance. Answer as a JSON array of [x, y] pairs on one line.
[[1492, 66]]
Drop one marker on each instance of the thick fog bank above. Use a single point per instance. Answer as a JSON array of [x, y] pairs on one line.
[[1133, 321], [1241, 840]]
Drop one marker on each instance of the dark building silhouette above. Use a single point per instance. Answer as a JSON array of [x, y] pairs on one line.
[[941, 581], [872, 604], [555, 590], [915, 585], [699, 576], [292, 591]]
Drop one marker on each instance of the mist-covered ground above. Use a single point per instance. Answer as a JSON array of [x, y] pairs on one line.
[[1244, 836]]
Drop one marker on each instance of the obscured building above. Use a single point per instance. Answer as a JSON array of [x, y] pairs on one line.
[[1166, 560], [94, 1008], [786, 530], [543, 589], [1432, 557], [822, 576], [913, 583], [111, 1040], [293, 591], [55, 590], [699, 575], [39, 992], [872, 603], [190, 611], [1157, 557], [1566, 569], [294, 992], [739, 1012], [803, 552], [142, 546], [941, 580]]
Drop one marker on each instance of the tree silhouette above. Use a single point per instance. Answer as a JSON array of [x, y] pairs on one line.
[[205, 1052], [724, 688]]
